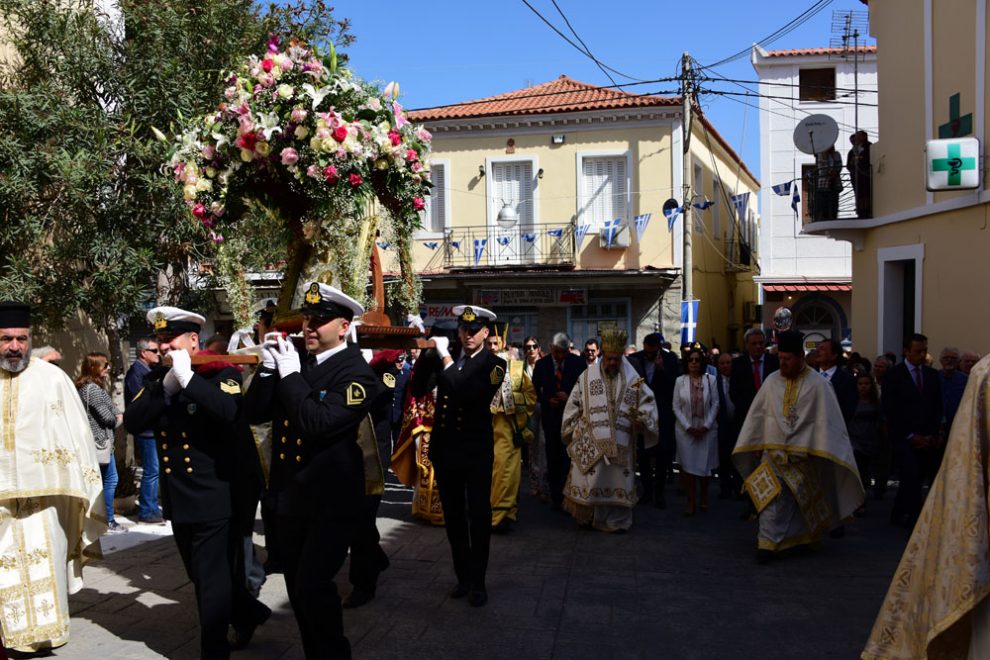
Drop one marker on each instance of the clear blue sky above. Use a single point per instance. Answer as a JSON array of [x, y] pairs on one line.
[[448, 51]]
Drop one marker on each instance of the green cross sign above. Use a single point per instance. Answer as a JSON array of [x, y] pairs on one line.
[[957, 126], [954, 164]]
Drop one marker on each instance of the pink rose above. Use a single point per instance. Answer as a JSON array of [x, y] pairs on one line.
[[355, 180], [298, 115], [411, 155], [208, 151], [418, 203], [340, 133], [394, 138], [330, 174], [290, 156], [313, 171], [199, 211]]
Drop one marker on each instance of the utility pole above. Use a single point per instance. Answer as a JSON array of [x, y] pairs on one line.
[[687, 263]]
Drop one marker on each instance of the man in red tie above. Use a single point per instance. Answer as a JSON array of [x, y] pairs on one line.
[[749, 371]]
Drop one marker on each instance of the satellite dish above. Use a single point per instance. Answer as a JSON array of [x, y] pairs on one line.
[[815, 133]]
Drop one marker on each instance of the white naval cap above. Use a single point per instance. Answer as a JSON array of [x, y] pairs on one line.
[[325, 300], [472, 315], [172, 320]]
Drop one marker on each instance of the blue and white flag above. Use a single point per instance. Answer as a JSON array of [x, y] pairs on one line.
[[457, 245], [433, 245], [611, 229], [579, 233], [701, 206], [741, 202], [672, 217], [529, 238], [795, 202], [641, 222], [503, 240], [556, 233], [689, 321], [782, 188], [384, 245], [479, 249]]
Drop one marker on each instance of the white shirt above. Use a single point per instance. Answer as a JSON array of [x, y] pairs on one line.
[[828, 373], [462, 360], [330, 352]]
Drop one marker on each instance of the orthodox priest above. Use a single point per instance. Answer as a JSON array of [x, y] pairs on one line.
[[937, 605], [794, 453], [51, 493], [608, 406]]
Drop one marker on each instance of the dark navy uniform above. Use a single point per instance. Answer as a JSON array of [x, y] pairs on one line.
[[316, 483], [462, 450]]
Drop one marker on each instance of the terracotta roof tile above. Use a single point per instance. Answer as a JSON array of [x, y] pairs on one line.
[[561, 95], [804, 52]]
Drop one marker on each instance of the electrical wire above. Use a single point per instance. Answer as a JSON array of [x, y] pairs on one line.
[[781, 84], [598, 62], [754, 94]]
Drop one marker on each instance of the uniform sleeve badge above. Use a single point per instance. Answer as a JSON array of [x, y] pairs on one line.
[[230, 386], [497, 375], [389, 380], [355, 394]]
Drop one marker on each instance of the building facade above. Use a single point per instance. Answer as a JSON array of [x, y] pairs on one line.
[[568, 168], [917, 261], [810, 274]]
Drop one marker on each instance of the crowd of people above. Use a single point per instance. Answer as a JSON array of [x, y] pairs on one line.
[[311, 435]]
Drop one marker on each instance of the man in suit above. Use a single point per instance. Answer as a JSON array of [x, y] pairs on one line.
[[843, 382], [554, 377], [660, 369], [730, 483], [194, 413], [462, 443], [317, 483], [912, 404], [749, 371]]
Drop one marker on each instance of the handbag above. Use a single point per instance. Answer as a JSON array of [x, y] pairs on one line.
[[103, 437]]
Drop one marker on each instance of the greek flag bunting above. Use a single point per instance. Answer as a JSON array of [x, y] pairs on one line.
[[503, 240], [689, 321], [384, 244], [795, 201], [641, 222], [611, 229], [701, 206], [529, 238], [741, 202], [672, 217], [579, 233], [433, 245], [782, 188], [457, 245], [556, 233], [479, 249]]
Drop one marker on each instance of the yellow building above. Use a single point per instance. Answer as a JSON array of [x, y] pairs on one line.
[[560, 162], [919, 260]]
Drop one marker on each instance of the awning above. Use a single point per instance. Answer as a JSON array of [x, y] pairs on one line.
[[804, 287]]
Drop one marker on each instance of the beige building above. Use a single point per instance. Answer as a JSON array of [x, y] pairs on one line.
[[916, 263], [560, 163]]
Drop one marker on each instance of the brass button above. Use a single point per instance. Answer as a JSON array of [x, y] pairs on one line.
[[189, 469], [164, 434], [186, 459], [285, 423], [168, 470], [298, 459], [164, 446], [281, 456], [284, 440], [185, 446], [165, 459], [183, 434], [299, 442]]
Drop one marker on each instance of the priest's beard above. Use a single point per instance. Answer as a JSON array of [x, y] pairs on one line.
[[16, 361]]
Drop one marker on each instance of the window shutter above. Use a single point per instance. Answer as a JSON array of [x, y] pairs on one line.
[[436, 205], [513, 183], [604, 190], [716, 210]]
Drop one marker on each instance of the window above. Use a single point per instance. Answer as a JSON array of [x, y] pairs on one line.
[[512, 183], [817, 84], [698, 190], [435, 213], [604, 189], [587, 321], [717, 210]]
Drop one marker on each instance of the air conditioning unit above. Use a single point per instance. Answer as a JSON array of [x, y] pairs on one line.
[[752, 312], [620, 240]]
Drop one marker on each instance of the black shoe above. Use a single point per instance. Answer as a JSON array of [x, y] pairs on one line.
[[239, 637], [764, 556], [357, 598], [460, 590], [503, 527], [838, 533], [151, 520], [659, 501], [273, 567], [477, 597]]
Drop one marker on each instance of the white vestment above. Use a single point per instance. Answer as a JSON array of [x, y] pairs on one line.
[[51, 504], [601, 420]]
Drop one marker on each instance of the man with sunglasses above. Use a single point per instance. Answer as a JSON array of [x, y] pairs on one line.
[[317, 482], [462, 444], [144, 441]]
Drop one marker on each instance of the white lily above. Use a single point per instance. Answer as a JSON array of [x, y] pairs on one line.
[[220, 139], [268, 123], [316, 94]]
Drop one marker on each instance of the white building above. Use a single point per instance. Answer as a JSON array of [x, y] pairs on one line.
[[811, 275]]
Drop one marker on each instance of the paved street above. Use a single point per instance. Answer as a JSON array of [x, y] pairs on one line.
[[673, 587]]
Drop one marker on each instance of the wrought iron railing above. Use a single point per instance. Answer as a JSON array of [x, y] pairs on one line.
[[835, 195], [522, 245]]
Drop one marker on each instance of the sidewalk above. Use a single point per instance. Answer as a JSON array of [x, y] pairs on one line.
[[673, 587]]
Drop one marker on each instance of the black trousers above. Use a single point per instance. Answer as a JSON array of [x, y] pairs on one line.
[[646, 458], [915, 465], [368, 559], [558, 462], [465, 495], [729, 480], [313, 550]]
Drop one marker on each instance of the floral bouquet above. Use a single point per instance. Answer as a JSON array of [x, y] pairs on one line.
[[309, 145]]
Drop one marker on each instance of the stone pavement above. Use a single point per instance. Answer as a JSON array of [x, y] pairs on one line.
[[673, 587]]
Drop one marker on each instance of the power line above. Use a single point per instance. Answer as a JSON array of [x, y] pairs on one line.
[[770, 96], [783, 84], [578, 37]]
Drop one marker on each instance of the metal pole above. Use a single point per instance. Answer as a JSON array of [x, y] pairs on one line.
[[687, 261], [856, 77]]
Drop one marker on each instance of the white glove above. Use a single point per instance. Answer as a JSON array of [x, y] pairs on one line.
[[171, 384], [268, 350], [287, 359], [442, 344], [181, 367], [415, 321]]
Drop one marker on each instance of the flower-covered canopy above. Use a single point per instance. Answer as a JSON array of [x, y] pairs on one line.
[[316, 147]]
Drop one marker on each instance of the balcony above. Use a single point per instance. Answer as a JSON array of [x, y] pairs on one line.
[[824, 204], [536, 246]]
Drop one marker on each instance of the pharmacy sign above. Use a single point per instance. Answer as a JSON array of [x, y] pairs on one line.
[[953, 164]]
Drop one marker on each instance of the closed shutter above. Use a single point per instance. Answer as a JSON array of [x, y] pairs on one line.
[[436, 204], [513, 183], [604, 191], [717, 210]]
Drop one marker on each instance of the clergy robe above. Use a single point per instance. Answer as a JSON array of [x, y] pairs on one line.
[[51, 504], [512, 406], [601, 419]]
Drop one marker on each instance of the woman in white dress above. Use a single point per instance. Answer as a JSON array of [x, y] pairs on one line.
[[696, 430]]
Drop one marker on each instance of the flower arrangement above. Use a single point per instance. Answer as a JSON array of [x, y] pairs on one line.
[[316, 148]]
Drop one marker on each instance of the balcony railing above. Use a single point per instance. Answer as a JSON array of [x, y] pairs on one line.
[[825, 202], [522, 245]]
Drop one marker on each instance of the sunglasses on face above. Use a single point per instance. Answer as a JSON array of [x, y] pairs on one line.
[[531, 347], [152, 350], [694, 360]]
